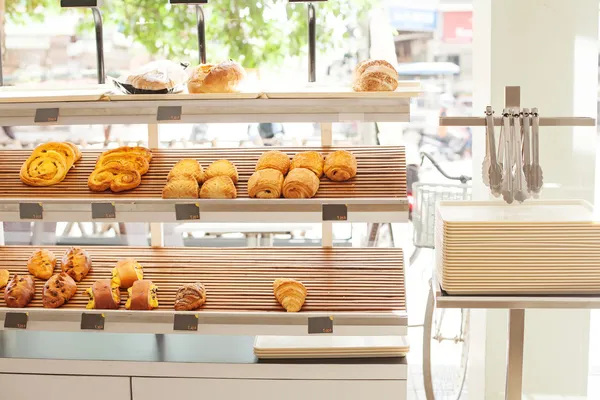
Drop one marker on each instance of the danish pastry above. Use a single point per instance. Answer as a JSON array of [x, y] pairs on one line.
[[129, 161], [126, 272], [41, 264], [312, 160], [221, 78], [117, 179], [184, 187], [142, 296], [290, 293], [222, 168], [44, 170], [219, 187], [58, 290], [190, 297], [300, 183], [68, 150], [340, 166], [20, 291], [265, 184], [139, 150], [4, 277], [103, 296], [274, 160], [76, 262], [375, 76], [187, 167]]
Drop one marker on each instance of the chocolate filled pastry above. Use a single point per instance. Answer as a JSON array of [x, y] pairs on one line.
[[301, 183], [290, 293], [312, 160], [103, 296], [126, 272], [184, 187], [187, 167], [4, 277], [340, 166], [221, 78], [265, 184], [375, 76], [76, 262], [222, 168], [58, 290], [274, 160], [142, 296], [41, 264], [219, 187], [20, 291], [190, 297], [117, 179]]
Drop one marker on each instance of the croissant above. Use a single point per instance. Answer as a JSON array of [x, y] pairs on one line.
[[187, 168], [44, 169], [375, 76], [340, 166], [190, 297], [184, 187], [274, 160], [222, 168], [290, 293], [126, 273], [4, 276], [114, 178], [265, 184], [312, 160], [103, 296], [58, 290], [20, 291], [300, 183], [76, 262], [219, 187], [142, 296], [41, 264]]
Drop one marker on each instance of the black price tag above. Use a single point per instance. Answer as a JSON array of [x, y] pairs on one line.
[[184, 212], [91, 321], [103, 210], [168, 113], [79, 3], [185, 322], [16, 320], [31, 211], [335, 212], [46, 115], [188, 1], [320, 325]]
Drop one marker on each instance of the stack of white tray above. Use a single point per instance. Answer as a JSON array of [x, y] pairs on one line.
[[535, 248], [286, 347]]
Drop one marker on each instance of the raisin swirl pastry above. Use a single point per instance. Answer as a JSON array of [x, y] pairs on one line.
[[190, 297], [44, 170], [340, 166], [300, 183], [58, 290], [20, 291], [77, 263], [41, 264], [265, 184]]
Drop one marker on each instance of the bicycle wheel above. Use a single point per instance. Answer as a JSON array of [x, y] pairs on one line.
[[444, 358]]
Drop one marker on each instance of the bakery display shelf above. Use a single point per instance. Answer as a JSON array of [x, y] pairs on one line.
[[376, 194], [362, 289]]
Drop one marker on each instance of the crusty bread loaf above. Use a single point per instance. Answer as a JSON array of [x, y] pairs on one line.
[[221, 78], [375, 76]]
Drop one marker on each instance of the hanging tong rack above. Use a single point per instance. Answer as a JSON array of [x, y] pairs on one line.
[[200, 25]]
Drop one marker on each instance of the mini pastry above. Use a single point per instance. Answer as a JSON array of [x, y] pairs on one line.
[[103, 296], [126, 273], [76, 262], [265, 184], [41, 264], [340, 166], [275, 160], [4, 277], [142, 296], [290, 294], [184, 187], [312, 160], [375, 76], [300, 183], [221, 78], [20, 291], [114, 178], [219, 187], [222, 168], [58, 290], [190, 297], [187, 167]]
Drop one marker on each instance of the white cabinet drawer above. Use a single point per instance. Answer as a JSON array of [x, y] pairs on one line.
[[35, 387], [247, 389]]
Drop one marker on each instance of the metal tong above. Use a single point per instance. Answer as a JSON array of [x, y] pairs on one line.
[[508, 150], [492, 171], [520, 193], [536, 176]]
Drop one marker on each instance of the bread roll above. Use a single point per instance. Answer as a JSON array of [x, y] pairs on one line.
[[340, 166], [219, 187], [312, 160], [301, 183], [41, 264], [265, 184], [375, 76], [126, 272], [20, 291], [222, 168], [76, 262], [274, 160], [221, 78], [58, 290], [142, 296], [190, 296], [103, 296]]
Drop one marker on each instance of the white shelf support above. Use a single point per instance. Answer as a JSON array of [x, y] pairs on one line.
[[326, 227], [326, 134], [156, 228]]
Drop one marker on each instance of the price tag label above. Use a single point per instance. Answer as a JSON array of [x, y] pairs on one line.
[[188, 211], [103, 210], [168, 113], [335, 212], [185, 322], [80, 3], [31, 211], [46, 115], [188, 1], [92, 321], [16, 320], [320, 325]]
